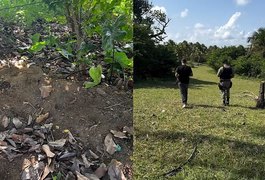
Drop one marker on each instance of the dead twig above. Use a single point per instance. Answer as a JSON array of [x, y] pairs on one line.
[[118, 104], [95, 125], [180, 167], [249, 94], [73, 101], [28, 103]]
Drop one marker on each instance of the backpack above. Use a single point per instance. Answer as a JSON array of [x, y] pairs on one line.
[[226, 73]]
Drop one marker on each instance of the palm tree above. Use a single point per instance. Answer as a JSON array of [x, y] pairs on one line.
[[257, 40]]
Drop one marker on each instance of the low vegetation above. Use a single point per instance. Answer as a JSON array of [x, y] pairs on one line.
[[230, 140]]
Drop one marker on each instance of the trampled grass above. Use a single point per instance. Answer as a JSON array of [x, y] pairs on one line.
[[230, 140]]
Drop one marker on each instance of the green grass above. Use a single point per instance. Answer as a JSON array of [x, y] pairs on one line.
[[231, 140]]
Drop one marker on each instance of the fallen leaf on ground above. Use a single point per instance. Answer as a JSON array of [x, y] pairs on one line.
[[80, 176], [17, 138], [115, 170], [47, 150], [3, 143], [101, 170], [30, 120], [26, 164], [45, 91], [18, 124], [93, 154], [128, 130], [58, 143], [110, 144], [118, 134], [3, 148], [86, 162], [5, 121], [42, 117], [46, 172], [91, 176]]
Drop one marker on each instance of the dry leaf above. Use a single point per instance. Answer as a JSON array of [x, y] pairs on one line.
[[110, 144], [3, 143], [18, 124], [93, 154], [45, 91], [17, 138], [91, 176], [26, 164], [118, 134], [86, 162], [42, 117], [101, 170], [47, 150], [5, 121], [58, 143], [46, 172], [128, 130], [3, 148], [30, 120], [115, 170], [80, 176]]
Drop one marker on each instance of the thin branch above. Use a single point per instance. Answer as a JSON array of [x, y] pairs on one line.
[[180, 167], [162, 31]]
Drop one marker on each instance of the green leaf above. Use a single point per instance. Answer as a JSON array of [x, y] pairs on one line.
[[95, 74], [35, 38], [65, 53], [89, 84], [123, 60], [38, 46]]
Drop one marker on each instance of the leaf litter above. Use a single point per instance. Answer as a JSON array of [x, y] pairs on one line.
[[56, 155], [32, 138]]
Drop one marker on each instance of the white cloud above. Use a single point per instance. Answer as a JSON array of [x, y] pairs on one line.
[[159, 8], [184, 13], [242, 2], [225, 31], [198, 26]]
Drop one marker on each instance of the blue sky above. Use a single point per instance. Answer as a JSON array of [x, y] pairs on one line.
[[212, 22]]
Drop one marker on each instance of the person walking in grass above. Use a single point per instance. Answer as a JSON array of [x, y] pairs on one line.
[[225, 73], [183, 73]]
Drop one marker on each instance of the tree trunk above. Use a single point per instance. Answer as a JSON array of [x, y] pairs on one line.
[[260, 102]]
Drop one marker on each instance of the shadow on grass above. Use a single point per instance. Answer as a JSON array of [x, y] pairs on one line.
[[207, 106], [170, 83], [253, 166], [156, 83], [196, 83], [222, 107]]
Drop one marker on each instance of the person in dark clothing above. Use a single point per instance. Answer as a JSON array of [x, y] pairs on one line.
[[183, 73], [225, 73]]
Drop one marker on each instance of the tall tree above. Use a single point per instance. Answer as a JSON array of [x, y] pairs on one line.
[[149, 30], [257, 40]]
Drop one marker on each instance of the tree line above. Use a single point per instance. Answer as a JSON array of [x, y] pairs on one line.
[[156, 59]]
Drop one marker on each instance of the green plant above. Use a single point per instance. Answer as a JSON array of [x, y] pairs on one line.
[[95, 73]]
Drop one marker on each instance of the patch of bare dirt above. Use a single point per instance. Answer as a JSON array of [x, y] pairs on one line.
[[89, 114]]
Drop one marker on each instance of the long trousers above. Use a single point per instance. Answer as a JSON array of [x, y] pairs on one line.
[[183, 92]]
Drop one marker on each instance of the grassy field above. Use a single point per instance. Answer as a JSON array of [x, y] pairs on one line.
[[230, 140]]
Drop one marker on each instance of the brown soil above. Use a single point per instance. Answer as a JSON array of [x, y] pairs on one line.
[[89, 114]]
